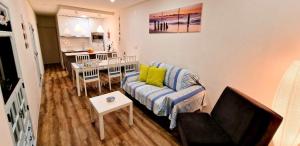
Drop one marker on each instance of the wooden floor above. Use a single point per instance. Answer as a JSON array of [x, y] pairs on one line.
[[65, 121]]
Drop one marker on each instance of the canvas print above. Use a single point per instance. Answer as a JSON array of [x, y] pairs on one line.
[[186, 19], [4, 19]]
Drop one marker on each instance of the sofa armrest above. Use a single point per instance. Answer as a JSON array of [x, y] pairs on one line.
[[185, 100], [130, 77], [194, 93]]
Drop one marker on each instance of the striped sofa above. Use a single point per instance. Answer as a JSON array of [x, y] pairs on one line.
[[181, 92]]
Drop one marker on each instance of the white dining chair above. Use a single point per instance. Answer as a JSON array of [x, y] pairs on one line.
[[82, 58], [90, 74], [79, 60], [130, 64], [101, 57], [114, 69]]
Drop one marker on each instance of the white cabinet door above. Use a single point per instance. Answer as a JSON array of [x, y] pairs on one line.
[[81, 27], [95, 23], [64, 26], [18, 115], [73, 26]]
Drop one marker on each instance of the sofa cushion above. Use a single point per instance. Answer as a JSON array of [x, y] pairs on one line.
[[168, 67], [155, 63], [131, 87], [144, 69], [177, 78], [152, 96], [156, 76], [209, 133]]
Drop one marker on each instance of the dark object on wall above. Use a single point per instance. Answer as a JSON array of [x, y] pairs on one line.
[[8, 72], [236, 119], [4, 19], [96, 36]]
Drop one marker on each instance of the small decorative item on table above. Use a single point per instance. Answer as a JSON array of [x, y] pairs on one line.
[[110, 99], [90, 50]]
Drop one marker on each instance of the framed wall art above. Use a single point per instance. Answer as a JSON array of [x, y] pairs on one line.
[[185, 19]]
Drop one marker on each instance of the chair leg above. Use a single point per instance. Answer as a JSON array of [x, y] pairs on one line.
[[109, 80], [99, 86], [80, 87], [85, 88], [120, 81]]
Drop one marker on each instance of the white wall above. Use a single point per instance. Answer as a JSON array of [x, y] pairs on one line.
[[18, 8], [244, 44]]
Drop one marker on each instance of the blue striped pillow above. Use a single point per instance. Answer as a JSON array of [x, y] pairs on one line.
[[176, 78], [181, 78], [168, 67]]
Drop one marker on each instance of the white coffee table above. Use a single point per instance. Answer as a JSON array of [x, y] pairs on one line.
[[102, 107]]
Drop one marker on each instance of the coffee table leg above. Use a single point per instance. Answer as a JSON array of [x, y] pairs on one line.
[[101, 126], [130, 114]]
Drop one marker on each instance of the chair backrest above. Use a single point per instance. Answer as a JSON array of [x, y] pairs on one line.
[[114, 55], [101, 56], [82, 58], [90, 73], [114, 66], [245, 120], [130, 64]]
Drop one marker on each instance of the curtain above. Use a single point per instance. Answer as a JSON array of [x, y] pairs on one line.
[[287, 104]]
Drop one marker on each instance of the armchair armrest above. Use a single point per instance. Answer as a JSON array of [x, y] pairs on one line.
[[130, 77]]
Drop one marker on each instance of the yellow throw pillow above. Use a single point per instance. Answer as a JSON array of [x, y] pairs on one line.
[[143, 72], [156, 76]]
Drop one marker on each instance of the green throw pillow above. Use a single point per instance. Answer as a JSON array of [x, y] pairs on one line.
[[143, 72], [156, 76]]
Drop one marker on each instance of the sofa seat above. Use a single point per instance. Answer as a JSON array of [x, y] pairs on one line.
[[151, 96], [211, 133]]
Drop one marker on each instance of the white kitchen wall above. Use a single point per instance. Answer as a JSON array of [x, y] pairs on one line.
[[19, 9], [109, 24], [244, 44]]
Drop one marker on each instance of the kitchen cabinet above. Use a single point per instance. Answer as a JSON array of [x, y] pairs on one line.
[[95, 23], [73, 26]]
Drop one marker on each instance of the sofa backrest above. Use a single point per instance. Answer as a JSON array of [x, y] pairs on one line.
[[176, 78], [245, 120]]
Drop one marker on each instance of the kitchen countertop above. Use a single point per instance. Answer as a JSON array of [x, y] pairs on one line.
[[85, 53]]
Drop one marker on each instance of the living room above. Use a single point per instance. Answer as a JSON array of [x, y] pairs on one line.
[[250, 46]]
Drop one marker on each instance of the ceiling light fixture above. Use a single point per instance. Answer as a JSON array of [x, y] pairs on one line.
[[112, 1]]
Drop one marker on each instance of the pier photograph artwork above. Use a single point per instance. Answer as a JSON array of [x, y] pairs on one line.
[[185, 19]]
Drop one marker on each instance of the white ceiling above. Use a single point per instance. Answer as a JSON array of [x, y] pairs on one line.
[[51, 6]]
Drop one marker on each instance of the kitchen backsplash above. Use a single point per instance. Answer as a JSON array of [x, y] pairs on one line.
[[73, 43]]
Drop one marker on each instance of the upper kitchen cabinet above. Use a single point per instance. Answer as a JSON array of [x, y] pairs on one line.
[[96, 25], [70, 26]]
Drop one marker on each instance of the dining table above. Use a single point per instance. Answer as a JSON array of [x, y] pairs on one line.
[[78, 68]]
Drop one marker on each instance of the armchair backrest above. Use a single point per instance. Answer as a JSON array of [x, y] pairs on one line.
[[245, 120]]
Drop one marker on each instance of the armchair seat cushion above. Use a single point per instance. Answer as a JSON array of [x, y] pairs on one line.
[[190, 125]]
